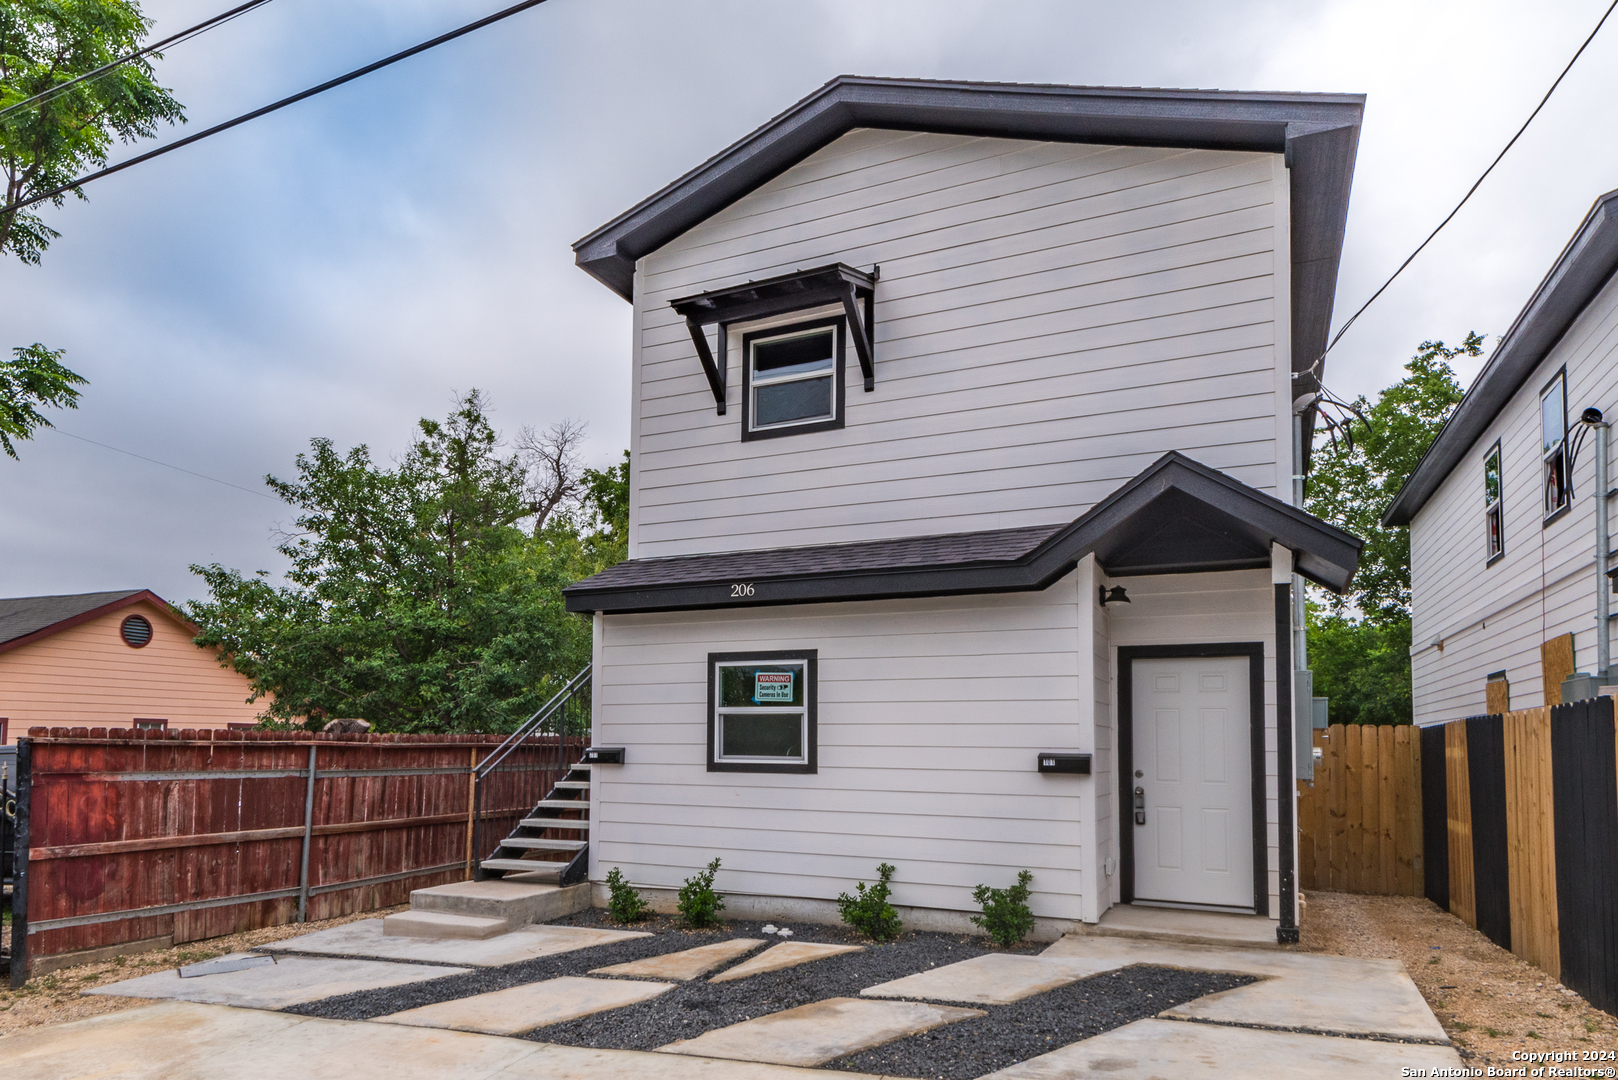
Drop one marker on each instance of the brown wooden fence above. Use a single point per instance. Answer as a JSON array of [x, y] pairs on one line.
[[1523, 836], [1360, 824], [130, 839]]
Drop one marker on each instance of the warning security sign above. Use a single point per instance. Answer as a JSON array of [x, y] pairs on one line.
[[772, 686]]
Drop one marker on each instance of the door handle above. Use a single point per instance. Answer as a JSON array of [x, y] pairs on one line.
[[1140, 806]]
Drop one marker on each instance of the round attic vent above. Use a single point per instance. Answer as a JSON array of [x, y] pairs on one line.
[[136, 631]]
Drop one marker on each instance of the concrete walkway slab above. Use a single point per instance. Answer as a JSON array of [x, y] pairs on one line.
[[1307, 990], [523, 1008], [365, 938], [991, 979], [293, 980], [1154, 1049], [785, 955], [186, 1041], [1188, 927], [812, 1034], [686, 964]]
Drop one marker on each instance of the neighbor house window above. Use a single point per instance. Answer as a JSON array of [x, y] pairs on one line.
[[1493, 522], [761, 712], [1553, 444], [792, 379], [151, 725]]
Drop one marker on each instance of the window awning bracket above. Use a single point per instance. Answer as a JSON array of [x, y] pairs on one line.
[[716, 374]]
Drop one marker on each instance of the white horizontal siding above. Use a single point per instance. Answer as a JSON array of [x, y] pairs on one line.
[[1050, 319], [930, 715], [1492, 619]]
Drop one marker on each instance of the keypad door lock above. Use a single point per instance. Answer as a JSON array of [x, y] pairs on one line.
[[1140, 806]]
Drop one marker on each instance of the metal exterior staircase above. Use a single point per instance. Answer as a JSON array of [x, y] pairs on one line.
[[550, 844]]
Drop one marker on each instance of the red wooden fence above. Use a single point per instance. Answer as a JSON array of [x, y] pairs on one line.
[[130, 839]]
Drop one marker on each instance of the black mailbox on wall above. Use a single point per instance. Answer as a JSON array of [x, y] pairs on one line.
[[1078, 764], [605, 755]]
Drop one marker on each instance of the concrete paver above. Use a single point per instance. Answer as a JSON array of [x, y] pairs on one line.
[[187, 1041], [1153, 1049], [785, 955], [365, 938], [991, 979], [811, 1034], [686, 964], [1174, 925], [293, 980], [523, 1008], [1306, 990]]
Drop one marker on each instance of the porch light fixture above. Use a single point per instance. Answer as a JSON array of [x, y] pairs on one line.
[[1114, 595]]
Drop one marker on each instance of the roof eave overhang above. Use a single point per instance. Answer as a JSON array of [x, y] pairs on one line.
[[1318, 133], [1322, 553], [1583, 269]]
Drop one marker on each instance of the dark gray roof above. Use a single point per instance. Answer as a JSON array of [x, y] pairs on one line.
[[1580, 272], [1177, 516], [24, 615], [1319, 133]]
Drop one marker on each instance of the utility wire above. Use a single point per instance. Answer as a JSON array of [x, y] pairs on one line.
[[166, 465], [1315, 367], [207, 24], [283, 103]]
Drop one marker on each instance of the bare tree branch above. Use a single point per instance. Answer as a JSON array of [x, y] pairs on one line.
[[554, 476]]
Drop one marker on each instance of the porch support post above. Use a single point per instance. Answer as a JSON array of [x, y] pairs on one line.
[[1286, 788], [1095, 807]]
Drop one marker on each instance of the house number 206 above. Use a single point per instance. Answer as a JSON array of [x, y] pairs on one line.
[[740, 590]]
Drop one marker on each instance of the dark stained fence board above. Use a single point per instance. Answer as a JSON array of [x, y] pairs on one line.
[[1586, 809], [1434, 817], [1486, 759]]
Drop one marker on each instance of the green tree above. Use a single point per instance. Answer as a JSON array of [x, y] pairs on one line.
[[1359, 642], [45, 44], [417, 601], [33, 378]]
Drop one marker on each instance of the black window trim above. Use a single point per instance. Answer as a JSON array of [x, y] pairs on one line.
[[1554, 514], [1498, 506], [811, 701], [838, 390]]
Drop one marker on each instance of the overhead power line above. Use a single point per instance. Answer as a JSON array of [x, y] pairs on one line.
[[1315, 367], [173, 39], [166, 465], [283, 103]]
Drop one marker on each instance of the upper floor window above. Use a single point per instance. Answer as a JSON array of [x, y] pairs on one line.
[[1494, 524], [1553, 444], [792, 379]]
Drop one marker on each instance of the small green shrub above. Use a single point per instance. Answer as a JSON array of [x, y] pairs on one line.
[[698, 902], [1006, 915], [869, 912], [625, 905]]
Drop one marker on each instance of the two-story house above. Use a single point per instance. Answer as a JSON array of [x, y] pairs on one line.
[[963, 532], [1506, 509]]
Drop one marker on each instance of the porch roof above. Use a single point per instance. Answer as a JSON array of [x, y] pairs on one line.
[[1178, 516]]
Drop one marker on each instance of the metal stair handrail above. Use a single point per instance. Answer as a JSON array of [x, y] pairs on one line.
[[534, 722]]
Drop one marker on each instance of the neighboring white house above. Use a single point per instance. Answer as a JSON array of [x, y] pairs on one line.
[[927, 378], [1502, 508]]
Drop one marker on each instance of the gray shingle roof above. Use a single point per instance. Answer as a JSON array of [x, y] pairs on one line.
[[24, 615]]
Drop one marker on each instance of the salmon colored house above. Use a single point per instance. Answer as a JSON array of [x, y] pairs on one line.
[[111, 659]]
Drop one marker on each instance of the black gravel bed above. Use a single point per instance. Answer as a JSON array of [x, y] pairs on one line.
[[969, 1048], [1039, 1024]]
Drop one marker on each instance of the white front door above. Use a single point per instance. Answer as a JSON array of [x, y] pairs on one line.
[[1192, 772]]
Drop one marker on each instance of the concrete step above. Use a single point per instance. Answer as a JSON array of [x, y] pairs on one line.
[[573, 785], [551, 870], [516, 903], [554, 823], [562, 804], [535, 843], [442, 924]]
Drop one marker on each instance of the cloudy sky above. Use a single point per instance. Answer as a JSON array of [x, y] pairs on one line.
[[347, 265]]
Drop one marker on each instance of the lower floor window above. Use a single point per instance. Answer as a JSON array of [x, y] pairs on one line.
[[761, 711]]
